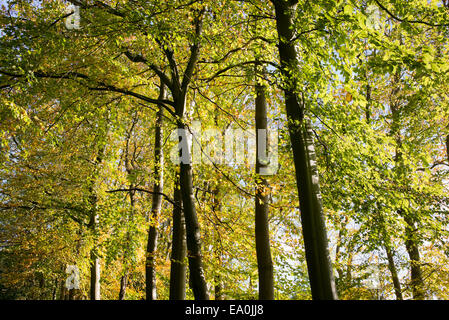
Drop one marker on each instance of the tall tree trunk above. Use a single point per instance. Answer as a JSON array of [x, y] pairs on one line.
[[150, 270], [341, 234], [124, 278], [129, 167], [63, 293], [388, 249], [179, 90], [94, 259], [218, 282], [178, 253], [262, 233], [55, 288], [312, 217], [123, 285], [393, 271], [447, 147], [368, 105], [216, 208], [94, 220], [76, 293], [411, 242], [390, 258], [94, 276], [196, 270]]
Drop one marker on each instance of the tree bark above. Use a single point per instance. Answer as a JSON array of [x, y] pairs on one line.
[[216, 208], [124, 278], [179, 90], [447, 147], [123, 285], [55, 288], [411, 242], [312, 217], [150, 271], [178, 254], [394, 273], [196, 270], [387, 246], [94, 277], [75, 294], [390, 258], [94, 220], [63, 292], [262, 233], [94, 259]]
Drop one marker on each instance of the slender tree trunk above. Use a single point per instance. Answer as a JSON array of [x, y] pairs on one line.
[[387, 246], [75, 294], [218, 283], [123, 285], [55, 288], [94, 277], [393, 271], [63, 292], [196, 270], [178, 254], [72, 294], [341, 234], [94, 259], [262, 233], [94, 220], [216, 208], [312, 217], [447, 147], [179, 90], [411, 242], [368, 105], [124, 278], [390, 257], [150, 270], [129, 167]]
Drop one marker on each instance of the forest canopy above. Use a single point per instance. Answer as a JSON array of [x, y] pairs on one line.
[[226, 149]]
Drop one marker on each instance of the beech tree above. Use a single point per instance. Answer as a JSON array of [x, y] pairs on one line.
[[131, 149]]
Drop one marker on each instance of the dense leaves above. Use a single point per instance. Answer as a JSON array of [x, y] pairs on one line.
[[78, 111]]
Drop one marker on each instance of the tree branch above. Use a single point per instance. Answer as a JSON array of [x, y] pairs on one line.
[[194, 52], [409, 21], [100, 86], [166, 197], [162, 103], [139, 58], [239, 65]]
